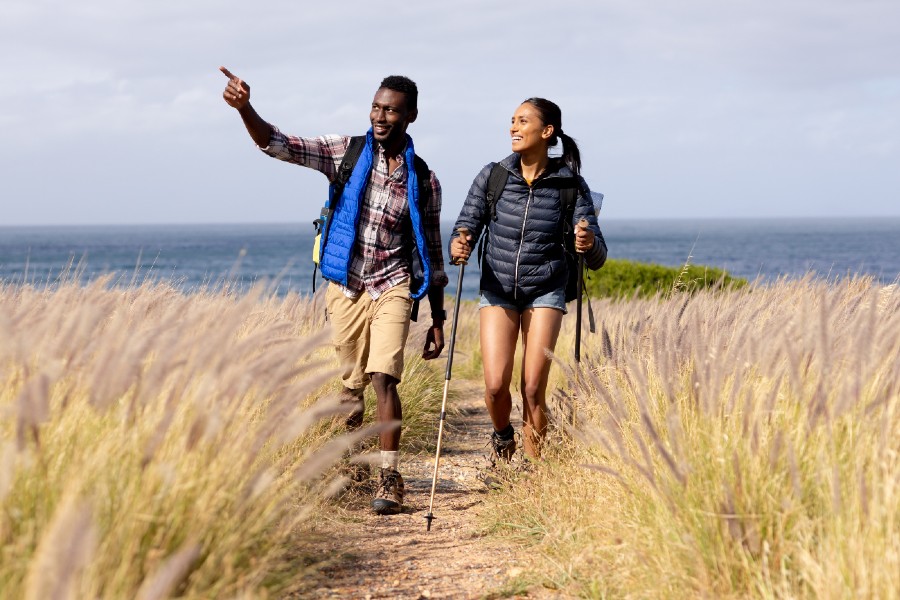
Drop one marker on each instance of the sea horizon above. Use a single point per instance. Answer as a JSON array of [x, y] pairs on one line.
[[448, 222], [197, 254]]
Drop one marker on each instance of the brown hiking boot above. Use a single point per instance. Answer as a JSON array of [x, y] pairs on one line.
[[389, 496]]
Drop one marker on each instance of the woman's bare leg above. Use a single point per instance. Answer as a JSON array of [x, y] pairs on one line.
[[540, 329], [499, 333]]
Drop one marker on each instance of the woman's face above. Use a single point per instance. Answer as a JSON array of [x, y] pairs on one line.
[[528, 131]]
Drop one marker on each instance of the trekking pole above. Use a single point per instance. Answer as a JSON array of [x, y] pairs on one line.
[[463, 232], [579, 286]]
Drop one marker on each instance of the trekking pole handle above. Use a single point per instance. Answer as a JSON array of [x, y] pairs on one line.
[[583, 223], [463, 232]]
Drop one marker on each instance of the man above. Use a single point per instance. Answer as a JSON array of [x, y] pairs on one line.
[[378, 223]]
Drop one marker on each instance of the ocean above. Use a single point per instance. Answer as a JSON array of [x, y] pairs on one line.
[[280, 254]]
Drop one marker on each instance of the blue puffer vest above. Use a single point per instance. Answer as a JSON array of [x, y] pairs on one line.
[[337, 248]]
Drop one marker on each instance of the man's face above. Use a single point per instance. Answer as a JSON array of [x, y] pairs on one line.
[[390, 116]]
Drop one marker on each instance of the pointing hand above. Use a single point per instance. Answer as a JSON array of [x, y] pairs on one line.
[[237, 92]]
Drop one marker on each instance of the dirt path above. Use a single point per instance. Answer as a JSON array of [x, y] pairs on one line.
[[394, 557]]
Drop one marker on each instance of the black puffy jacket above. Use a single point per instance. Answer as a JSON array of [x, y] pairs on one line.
[[524, 256]]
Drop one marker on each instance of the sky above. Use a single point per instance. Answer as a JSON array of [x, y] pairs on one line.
[[111, 110]]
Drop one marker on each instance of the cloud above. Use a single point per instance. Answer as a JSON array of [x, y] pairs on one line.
[[652, 90]]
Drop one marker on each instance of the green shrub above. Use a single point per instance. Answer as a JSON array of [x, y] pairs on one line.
[[623, 278]]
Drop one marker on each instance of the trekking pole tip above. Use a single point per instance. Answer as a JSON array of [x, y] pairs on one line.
[[429, 517]]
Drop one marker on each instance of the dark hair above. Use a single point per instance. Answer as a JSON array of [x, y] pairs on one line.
[[551, 115], [399, 83]]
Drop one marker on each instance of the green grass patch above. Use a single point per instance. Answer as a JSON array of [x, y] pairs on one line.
[[621, 278]]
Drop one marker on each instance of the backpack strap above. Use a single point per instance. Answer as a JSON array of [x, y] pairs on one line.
[[568, 196], [348, 163], [423, 174], [496, 183]]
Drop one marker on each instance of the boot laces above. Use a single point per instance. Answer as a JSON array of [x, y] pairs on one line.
[[388, 480]]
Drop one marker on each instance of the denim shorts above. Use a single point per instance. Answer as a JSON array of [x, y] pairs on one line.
[[554, 299]]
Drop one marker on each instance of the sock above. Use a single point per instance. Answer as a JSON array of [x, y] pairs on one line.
[[507, 433], [390, 459]]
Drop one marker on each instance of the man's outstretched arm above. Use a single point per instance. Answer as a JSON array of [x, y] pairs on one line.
[[237, 95]]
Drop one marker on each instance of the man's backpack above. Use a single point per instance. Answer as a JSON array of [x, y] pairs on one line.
[[348, 163], [568, 197]]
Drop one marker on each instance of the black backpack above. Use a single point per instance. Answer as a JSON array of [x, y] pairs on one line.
[[348, 163], [568, 189]]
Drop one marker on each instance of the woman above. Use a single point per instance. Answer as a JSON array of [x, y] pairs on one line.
[[523, 269]]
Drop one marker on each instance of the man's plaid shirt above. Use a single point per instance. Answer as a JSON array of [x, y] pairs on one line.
[[380, 258]]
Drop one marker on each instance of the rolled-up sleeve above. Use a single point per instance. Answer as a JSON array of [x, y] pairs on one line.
[[322, 153]]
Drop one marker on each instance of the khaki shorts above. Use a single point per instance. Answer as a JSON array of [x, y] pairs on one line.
[[369, 335]]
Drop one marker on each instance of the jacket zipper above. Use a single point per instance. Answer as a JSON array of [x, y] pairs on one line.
[[521, 241]]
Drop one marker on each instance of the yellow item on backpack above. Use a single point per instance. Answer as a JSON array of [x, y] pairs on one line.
[[316, 244]]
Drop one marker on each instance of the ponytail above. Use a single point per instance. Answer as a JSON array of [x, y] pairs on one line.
[[552, 115], [570, 154]]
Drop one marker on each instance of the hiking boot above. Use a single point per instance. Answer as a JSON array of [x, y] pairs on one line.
[[497, 470], [389, 497], [502, 449]]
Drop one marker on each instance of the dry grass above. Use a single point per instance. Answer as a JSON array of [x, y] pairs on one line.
[[155, 444], [739, 444], [726, 445]]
